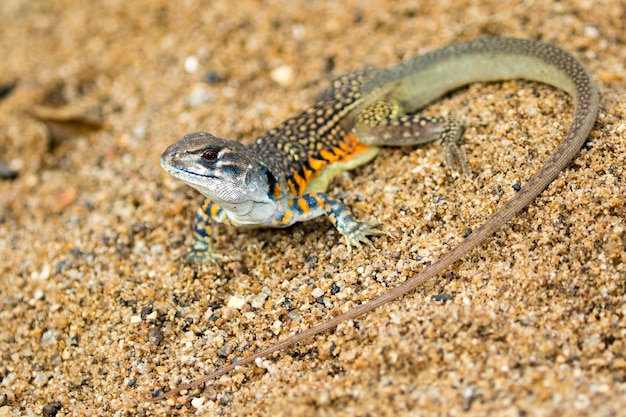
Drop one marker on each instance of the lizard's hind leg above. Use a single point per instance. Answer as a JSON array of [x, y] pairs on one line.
[[384, 124]]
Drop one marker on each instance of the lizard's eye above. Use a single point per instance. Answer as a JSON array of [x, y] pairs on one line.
[[210, 155]]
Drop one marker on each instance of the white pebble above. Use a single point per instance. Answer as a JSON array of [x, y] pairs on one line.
[[197, 402], [199, 95], [142, 367], [236, 301], [259, 300], [592, 31], [50, 336], [45, 272], [317, 292], [276, 326], [41, 379], [282, 75], [191, 64]]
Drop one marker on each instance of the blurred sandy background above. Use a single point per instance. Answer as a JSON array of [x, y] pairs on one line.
[[96, 315]]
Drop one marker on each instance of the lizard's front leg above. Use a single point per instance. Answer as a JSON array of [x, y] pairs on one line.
[[201, 250], [316, 204]]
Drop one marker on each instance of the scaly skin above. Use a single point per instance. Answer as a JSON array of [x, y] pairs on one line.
[[280, 178]]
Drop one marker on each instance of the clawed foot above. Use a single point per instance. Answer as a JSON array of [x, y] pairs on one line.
[[450, 137], [359, 234], [199, 254]]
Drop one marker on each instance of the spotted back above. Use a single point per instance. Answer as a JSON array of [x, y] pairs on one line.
[[300, 148]]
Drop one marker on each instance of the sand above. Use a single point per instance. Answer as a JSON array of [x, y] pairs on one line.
[[97, 314]]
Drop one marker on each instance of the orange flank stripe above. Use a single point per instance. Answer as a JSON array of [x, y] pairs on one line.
[[359, 148], [356, 147], [303, 206], [301, 182], [350, 147], [345, 150], [328, 155], [350, 138], [317, 164], [342, 155], [346, 147], [321, 202], [214, 209], [287, 217], [278, 192], [307, 173], [292, 186]]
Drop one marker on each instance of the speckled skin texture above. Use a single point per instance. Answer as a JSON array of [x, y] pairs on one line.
[[96, 313]]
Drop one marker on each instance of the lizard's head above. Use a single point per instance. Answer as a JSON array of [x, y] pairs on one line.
[[224, 171]]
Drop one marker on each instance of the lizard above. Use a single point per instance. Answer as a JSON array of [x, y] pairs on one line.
[[281, 177]]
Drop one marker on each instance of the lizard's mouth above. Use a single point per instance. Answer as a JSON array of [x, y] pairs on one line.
[[194, 174]]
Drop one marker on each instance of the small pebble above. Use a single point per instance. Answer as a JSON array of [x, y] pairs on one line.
[[317, 292], [6, 89], [41, 379], [7, 173], [198, 96], [191, 64], [49, 337], [276, 326], [225, 398], [224, 351], [282, 75], [142, 367], [213, 78], [49, 410], [197, 402], [259, 300], [145, 311], [592, 32], [442, 297], [236, 301]]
